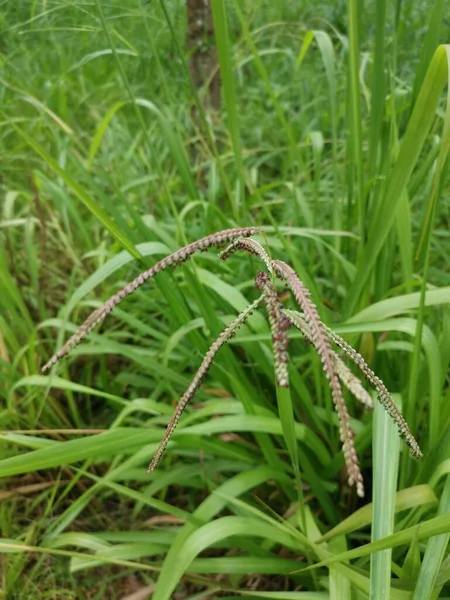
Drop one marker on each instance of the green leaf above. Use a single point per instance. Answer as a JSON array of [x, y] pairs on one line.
[[400, 304], [210, 534], [227, 71], [386, 445]]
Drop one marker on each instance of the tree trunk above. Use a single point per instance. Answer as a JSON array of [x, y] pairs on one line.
[[202, 49]]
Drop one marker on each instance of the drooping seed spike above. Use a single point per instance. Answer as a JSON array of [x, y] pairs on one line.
[[320, 341], [199, 376], [278, 326], [250, 246], [383, 394], [351, 382], [173, 260]]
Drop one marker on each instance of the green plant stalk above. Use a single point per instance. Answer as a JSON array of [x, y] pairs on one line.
[[286, 413], [378, 89], [226, 68], [154, 53], [356, 162]]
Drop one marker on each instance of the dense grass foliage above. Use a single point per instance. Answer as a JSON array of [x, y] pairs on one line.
[[333, 137]]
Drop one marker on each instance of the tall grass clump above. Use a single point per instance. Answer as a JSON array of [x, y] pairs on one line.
[[322, 325]]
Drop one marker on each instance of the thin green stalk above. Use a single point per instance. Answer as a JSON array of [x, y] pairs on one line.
[[355, 130], [150, 36], [229, 94], [378, 89]]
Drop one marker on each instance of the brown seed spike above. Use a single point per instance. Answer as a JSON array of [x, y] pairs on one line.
[[324, 350], [226, 334], [250, 246], [309, 323], [351, 382], [175, 259], [384, 396], [278, 325]]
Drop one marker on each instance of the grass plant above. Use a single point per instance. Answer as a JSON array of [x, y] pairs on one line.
[[329, 161]]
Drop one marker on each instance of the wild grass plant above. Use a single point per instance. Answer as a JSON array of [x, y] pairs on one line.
[[332, 153], [308, 322]]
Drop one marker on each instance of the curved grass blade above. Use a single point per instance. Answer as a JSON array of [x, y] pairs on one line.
[[205, 513], [412, 497]]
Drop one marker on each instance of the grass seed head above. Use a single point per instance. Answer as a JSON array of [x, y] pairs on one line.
[[309, 322]]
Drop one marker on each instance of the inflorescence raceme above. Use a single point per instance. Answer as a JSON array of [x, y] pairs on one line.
[[307, 320]]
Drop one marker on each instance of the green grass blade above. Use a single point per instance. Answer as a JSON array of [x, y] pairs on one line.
[[404, 236], [11, 300], [386, 445], [11, 545], [430, 44], [355, 158], [210, 507], [213, 532], [340, 585], [283, 595], [229, 94], [412, 497], [438, 180], [401, 304], [118, 441], [378, 87], [287, 419]]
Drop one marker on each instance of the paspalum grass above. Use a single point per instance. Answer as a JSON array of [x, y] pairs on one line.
[[307, 320]]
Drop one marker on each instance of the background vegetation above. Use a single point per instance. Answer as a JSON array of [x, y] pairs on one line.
[[334, 135]]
